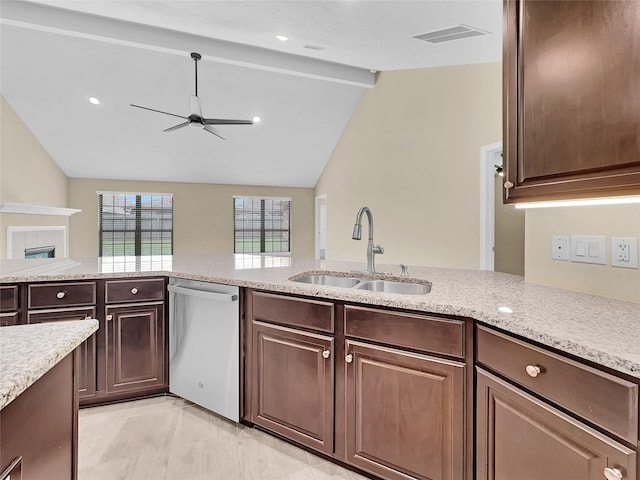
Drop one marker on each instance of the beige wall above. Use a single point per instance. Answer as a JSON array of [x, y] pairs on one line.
[[203, 214], [411, 152], [508, 234], [611, 221], [28, 175]]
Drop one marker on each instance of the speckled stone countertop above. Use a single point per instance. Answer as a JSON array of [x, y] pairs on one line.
[[27, 352], [600, 329]]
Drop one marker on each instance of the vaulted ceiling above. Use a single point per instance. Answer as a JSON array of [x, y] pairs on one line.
[[55, 56]]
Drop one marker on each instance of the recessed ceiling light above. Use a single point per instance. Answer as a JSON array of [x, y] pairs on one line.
[[282, 38], [505, 310], [94, 100], [256, 119]]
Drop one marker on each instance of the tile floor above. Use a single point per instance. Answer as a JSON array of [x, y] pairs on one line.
[[173, 439]]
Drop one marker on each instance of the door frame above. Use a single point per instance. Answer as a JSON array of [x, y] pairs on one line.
[[320, 199], [489, 158]]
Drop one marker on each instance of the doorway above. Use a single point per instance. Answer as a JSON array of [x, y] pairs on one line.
[[321, 227], [501, 226]]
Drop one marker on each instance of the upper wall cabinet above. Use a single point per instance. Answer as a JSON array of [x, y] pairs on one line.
[[571, 99]]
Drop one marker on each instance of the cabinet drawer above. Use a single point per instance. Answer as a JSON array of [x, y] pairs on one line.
[[418, 332], [8, 319], [8, 298], [61, 314], [44, 295], [603, 399], [299, 312], [134, 290]]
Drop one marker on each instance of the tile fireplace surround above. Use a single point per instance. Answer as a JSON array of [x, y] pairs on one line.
[[21, 238]]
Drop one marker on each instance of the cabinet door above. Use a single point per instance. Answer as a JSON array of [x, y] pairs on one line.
[[405, 413], [135, 347], [293, 384], [571, 73], [519, 436], [85, 352]]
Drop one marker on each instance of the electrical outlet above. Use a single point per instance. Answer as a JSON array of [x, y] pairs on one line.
[[624, 252], [560, 247]]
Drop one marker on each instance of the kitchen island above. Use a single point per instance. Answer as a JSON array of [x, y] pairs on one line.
[[324, 366], [598, 329], [39, 399]]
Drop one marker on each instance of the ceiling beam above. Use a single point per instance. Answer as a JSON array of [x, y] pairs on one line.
[[68, 22]]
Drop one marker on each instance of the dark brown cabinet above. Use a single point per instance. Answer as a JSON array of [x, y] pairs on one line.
[[543, 416], [85, 352], [127, 356], [135, 354], [39, 428], [405, 413], [9, 305], [293, 384], [68, 301], [521, 437], [570, 85]]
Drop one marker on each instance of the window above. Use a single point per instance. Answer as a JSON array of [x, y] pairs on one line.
[[135, 224], [261, 225]]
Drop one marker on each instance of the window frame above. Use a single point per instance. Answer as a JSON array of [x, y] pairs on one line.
[[138, 231], [261, 197]]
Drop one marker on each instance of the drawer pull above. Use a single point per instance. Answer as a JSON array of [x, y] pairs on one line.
[[613, 474], [60, 294], [326, 353], [109, 317], [348, 358], [134, 290], [533, 370]]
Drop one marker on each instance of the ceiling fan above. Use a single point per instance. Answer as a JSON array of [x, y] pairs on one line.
[[195, 118]]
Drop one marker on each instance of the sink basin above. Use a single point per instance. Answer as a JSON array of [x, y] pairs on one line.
[[389, 286], [329, 280]]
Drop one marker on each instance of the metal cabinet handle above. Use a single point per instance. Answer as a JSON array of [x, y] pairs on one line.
[[60, 294], [109, 317], [134, 290], [613, 474], [326, 353], [348, 358], [508, 184], [533, 370]]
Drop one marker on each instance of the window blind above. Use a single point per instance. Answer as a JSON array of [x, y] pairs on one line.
[[261, 225], [133, 224]]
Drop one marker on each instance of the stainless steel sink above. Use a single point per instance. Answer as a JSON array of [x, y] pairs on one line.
[[389, 286], [329, 280], [372, 285]]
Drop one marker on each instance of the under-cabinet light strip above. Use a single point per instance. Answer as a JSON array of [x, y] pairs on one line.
[[580, 203]]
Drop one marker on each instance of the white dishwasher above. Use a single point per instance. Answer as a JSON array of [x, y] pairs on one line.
[[204, 345]]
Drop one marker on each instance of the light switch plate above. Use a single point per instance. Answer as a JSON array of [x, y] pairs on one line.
[[589, 249], [624, 252], [560, 247]]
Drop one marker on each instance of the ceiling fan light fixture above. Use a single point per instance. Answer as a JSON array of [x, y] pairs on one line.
[[282, 38], [94, 100], [256, 119]]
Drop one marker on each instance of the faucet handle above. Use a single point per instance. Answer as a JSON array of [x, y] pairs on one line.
[[404, 270], [378, 249]]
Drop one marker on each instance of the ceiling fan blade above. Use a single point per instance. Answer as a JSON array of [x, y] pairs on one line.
[[158, 111], [195, 107], [210, 129], [224, 121], [175, 127]]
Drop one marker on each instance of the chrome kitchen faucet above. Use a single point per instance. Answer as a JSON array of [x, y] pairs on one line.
[[357, 235]]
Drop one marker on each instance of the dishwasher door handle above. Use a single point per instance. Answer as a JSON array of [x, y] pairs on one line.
[[221, 297]]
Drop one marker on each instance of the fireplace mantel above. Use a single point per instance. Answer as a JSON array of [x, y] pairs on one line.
[[10, 207]]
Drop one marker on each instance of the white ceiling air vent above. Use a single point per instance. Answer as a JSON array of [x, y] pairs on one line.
[[451, 33], [314, 47]]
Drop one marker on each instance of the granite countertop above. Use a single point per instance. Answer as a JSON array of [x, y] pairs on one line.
[[27, 352], [600, 329]]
